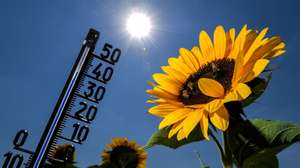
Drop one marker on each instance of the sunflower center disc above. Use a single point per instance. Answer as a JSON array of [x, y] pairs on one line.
[[219, 70], [124, 155]]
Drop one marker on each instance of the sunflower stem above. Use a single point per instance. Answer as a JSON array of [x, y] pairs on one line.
[[227, 160]]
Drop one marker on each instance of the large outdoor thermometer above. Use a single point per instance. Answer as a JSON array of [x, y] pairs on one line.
[[76, 108]]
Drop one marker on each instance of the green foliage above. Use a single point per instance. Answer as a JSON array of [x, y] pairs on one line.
[[258, 86], [255, 143], [261, 161], [69, 165], [160, 137], [94, 166]]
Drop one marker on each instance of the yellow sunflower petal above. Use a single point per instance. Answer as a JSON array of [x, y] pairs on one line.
[[159, 93], [255, 44], [179, 66], [174, 117], [274, 53], [257, 69], [189, 59], [162, 94], [232, 96], [165, 101], [239, 43], [230, 35], [240, 92], [251, 36], [167, 83], [277, 53], [174, 73], [201, 60], [247, 73], [214, 105], [175, 128], [259, 66], [242, 38], [263, 50], [190, 122], [206, 46], [180, 135], [280, 46], [204, 125], [220, 118], [211, 87], [238, 67], [219, 42], [243, 90], [182, 62], [162, 110], [163, 79], [152, 84]]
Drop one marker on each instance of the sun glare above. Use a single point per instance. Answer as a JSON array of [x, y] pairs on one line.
[[138, 25]]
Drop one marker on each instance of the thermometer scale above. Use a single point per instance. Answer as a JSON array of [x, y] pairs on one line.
[[85, 89]]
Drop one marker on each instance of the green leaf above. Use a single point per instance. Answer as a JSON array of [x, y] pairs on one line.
[[252, 141], [160, 137], [261, 161], [70, 165], [94, 166], [258, 86]]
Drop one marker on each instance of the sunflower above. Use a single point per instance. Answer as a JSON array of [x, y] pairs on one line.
[[195, 86], [62, 156], [124, 153]]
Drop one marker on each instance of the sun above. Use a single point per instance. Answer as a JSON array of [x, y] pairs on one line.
[[138, 25]]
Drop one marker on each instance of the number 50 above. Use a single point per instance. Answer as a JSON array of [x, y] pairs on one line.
[[108, 53]]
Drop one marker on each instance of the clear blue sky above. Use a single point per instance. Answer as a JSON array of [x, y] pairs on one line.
[[41, 39]]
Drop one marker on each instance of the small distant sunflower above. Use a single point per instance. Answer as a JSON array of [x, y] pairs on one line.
[[62, 156], [195, 86], [124, 153]]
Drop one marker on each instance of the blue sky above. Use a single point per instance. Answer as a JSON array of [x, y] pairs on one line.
[[40, 41]]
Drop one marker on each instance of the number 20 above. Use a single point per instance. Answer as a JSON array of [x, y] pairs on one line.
[[90, 114]]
